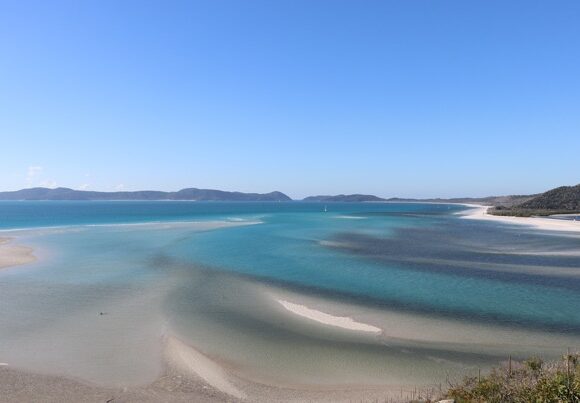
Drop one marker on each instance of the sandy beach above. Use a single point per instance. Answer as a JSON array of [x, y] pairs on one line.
[[14, 255], [480, 213]]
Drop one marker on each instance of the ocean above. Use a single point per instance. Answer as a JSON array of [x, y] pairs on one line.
[[450, 295]]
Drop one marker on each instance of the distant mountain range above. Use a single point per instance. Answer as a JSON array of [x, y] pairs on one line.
[[184, 194], [505, 201], [194, 194], [490, 200], [565, 199], [344, 198], [561, 200]]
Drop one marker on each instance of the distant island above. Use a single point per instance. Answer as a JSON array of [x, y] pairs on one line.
[[561, 200], [192, 194], [345, 198], [504, 201], [488, 200], [195, 194]]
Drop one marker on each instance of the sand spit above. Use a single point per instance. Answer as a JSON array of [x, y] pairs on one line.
[[343, 322], [189, 360], [14, 255], [548, 224]]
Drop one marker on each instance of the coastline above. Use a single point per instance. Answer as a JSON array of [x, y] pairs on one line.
[[13, 254], [479, 212]]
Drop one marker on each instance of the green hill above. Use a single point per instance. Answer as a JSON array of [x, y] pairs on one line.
[[561, 200]]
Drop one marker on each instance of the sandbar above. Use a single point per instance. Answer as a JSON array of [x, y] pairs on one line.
[[14, 255]]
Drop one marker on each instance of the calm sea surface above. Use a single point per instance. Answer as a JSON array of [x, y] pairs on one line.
[[448, 292]]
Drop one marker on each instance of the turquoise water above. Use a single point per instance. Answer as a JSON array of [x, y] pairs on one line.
[[205, 271]]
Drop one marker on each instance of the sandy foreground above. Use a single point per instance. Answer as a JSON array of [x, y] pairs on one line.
[[189, 376], [14, 255], [549, 224]]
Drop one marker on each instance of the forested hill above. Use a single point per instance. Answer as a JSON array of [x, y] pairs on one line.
[[561, 200]]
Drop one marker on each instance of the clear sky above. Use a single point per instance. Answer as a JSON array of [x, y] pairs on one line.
[[397, 98]]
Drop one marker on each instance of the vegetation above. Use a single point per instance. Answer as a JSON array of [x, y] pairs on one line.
[[562, 200], [530, 381], [521, 212]]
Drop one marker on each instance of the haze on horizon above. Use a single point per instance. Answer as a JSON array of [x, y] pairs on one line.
[[393, 98]]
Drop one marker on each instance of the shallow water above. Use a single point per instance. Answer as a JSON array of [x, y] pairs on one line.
[[449, 293]]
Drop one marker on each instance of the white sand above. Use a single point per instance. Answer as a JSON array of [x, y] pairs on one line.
[[14, 255], [192, 361], [549, 224], [343, 322]]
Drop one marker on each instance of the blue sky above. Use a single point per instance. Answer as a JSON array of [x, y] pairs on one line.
[[396, 98]]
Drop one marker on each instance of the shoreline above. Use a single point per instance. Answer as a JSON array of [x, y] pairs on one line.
[[479, 212], [192, 362], [12, 255]]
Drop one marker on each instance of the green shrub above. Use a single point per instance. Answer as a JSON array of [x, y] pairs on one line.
[[531, 381]]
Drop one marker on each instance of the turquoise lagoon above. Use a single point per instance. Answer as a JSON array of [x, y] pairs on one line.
[[450, 294]]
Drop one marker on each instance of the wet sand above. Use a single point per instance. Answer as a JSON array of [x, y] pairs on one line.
[[14, 255], [18, 386], [189, 376]]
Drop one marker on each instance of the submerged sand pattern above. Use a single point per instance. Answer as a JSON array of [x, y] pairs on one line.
[[13, 254]]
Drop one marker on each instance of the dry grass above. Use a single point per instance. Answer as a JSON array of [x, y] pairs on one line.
[[529, 381]]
